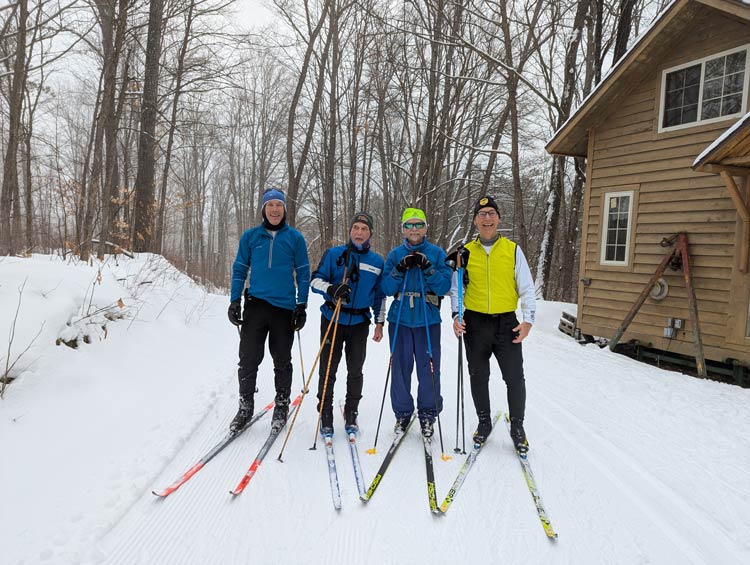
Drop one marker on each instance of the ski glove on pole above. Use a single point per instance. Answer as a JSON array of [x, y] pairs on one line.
[[235, 312], [452, 259], [342, 291], [299, 317], [415, 259]]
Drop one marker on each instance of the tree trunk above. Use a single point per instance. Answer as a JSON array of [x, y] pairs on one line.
[[111, 124], [144, 182], [624, 24], [294, 174], [172, 126], [552, 214], [9, 238], [330, 156]]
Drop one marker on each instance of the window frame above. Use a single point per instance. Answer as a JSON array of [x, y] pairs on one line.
[[702, 62], [606, 197]]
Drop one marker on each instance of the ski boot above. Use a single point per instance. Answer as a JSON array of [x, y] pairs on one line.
[[350, 421], [280, 411], [426, 423], [326, 422], [243, 415], [518, 435], [484, 427], [401, 424]]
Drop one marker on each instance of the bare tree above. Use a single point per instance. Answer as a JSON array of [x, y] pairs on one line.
[[144, 182], [9, 196]]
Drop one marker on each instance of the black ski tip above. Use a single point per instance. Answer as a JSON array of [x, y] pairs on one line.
[[158, 494]]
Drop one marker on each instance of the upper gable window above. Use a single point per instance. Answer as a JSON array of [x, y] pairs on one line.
[[710, 89]]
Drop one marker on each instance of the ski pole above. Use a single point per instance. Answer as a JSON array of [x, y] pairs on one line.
[[460, 372], [337, 313], [444, 457], [307, 384], [328, 371], [301, 363], [373, 449]]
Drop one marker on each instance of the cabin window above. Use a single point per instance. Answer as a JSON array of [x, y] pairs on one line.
[[711, 89], [617, 214]]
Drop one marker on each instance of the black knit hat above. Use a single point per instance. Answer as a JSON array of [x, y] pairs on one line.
[[486, 202], [362, 217]]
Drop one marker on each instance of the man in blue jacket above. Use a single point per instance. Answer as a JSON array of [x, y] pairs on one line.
[[351, 273], [421, 264], [275, 254]]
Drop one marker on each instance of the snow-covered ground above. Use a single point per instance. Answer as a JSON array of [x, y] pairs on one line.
[[635, 464]]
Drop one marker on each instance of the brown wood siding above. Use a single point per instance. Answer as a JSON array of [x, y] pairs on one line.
[[627, 151]]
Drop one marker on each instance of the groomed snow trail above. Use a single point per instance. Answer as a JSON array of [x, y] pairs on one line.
[[625, 457]]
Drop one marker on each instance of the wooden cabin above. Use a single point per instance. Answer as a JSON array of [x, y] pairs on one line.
[[666, 137]]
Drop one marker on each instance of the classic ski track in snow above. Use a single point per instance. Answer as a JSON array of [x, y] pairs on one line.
[[634, 464], [686, 528]]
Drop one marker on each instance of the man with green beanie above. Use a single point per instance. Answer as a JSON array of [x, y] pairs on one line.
[[417, 276]]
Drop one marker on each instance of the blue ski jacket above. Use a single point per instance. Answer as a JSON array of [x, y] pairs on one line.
[[437, 283], [274, 261], [364, 273]]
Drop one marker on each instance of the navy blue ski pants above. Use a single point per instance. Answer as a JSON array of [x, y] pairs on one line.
[[410, 348]]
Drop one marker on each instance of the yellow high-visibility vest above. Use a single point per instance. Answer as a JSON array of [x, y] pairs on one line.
[[492, 280]]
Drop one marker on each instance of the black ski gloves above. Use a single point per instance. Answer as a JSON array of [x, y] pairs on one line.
[[235, 312], [415, 259], [299, 317], [452, 259], [342, 291]]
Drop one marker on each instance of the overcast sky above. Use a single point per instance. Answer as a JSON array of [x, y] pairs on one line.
[[252, 13]]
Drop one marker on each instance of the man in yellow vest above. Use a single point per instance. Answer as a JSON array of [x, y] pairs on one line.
[[497, 277]]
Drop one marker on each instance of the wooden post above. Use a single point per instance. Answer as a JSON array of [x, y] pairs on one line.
[[683, 246], [681, 250], [639, 302]]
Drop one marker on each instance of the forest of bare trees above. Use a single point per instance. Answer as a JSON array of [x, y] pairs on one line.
[[155, 125]]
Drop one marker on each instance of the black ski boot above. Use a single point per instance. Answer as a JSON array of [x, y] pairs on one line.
[[402, 423], [518, 435], [280, 411], [326, 422], [243, 415], [425, 422], [350, 419], [484, 427]]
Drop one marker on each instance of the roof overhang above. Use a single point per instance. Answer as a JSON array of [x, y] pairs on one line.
[[652, 46], [729, 157]]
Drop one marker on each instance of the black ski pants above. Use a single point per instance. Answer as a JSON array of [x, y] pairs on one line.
[[487, 335], [260, 320], [355, 339]]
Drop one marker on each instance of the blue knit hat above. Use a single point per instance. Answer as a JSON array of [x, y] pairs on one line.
[[273, 194]]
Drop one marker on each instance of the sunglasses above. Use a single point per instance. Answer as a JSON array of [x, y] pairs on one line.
[[414, 225]]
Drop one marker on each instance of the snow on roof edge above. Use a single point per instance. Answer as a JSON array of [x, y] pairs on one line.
[[719, 140]]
